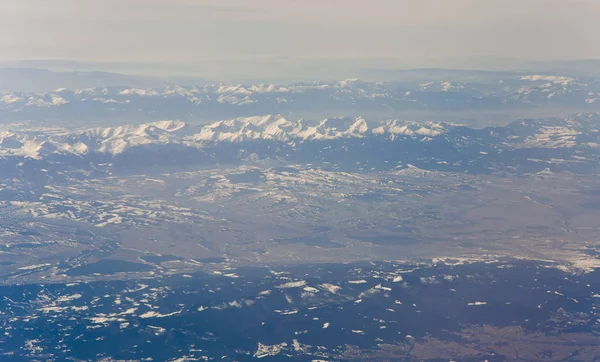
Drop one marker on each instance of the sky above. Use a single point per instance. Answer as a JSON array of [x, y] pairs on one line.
[[187, 31]]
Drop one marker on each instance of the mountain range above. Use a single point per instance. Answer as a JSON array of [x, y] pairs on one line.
[[525, 146], [497, 92]]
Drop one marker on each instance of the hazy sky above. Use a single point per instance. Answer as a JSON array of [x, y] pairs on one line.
[[180, 31]]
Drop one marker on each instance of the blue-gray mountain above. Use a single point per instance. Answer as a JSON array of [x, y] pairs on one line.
[[495, 91]]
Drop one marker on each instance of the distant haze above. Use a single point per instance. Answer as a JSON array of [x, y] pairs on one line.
[[246, 38]]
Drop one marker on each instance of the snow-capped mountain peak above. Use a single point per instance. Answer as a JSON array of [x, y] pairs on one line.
[[331, 140]]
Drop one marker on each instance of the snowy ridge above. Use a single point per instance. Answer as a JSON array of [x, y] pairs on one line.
[[278, 128], [347, 142], [116, 140], [113, 140], [225, 101]]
